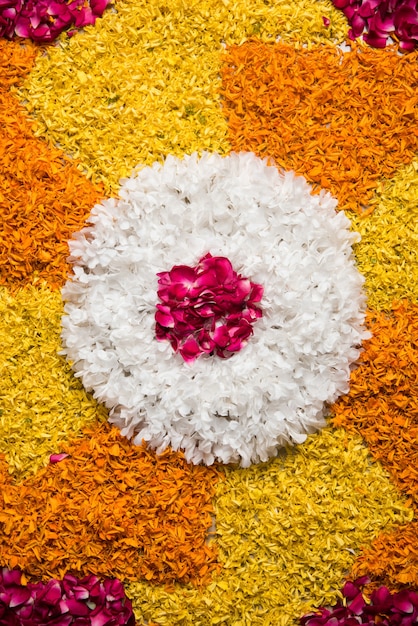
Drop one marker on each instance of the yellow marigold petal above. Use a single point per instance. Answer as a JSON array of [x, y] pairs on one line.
[[287, 531], [148, 74], [387, 252], [41, 401]]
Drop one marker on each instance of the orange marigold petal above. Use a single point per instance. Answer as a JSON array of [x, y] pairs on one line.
[[382, 404], [343, 120], [44, 198], [392, 560], [111, 509]]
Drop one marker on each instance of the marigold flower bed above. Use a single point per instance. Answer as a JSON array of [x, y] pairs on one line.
[[343, 120], [387, 252], [111, 509], [382, 404], [392, 559], [42, 404], [192, 546], [44, 198], [287, 531], [148, 74]]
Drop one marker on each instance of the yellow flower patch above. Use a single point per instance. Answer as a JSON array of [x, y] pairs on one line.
[[41, 402], [287, 531], [144, 82], [388, 252]]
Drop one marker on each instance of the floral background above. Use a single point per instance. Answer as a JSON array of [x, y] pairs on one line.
[[81, 507]]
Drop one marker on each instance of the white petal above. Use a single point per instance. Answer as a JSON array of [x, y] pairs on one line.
[[275, 232]]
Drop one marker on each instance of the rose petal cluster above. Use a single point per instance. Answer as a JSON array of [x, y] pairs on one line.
[[206, 309], [67, 602], [383, 608], [43, 20], [379, 19]]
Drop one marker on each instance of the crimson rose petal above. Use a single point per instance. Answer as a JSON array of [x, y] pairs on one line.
[[208, 309]]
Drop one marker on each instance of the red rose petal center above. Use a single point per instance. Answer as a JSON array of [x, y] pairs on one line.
[[206, 309]]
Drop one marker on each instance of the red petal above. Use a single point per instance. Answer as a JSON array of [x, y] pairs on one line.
[[164, 317], [74, 607], [52, 592], [98, 6], [182, 274], [18, 596], [243, 288], [351, 590], [402, 602], [190, 350], [221, 336], [56, 458], [357, 25], [207, 279], [205, 341], [381, 598], [375, 40], [206, 310], [10, 576], [102, 618], [357, 605], [22, 28], [223, 269], [368, 7]]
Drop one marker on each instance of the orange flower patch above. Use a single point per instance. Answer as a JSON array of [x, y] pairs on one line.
[[110, 509], [382, 404], [343, 120], [16, 61], [383, 407], [44, 198], [392, 560]]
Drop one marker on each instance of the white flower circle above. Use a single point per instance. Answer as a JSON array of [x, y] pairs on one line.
[[273, 231]]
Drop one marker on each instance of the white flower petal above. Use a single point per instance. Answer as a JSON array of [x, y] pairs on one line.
[[274, 232]]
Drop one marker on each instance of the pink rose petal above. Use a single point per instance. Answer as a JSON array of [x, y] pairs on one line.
[[376, 41], [357, 605], [10, 577], [368, 8], [380, 19], [202, 304], [382, 598], [402, 602], [74, 607], [56, 458], [18, 595], [357, 25], [164, 316], [101, 619], [190, 350], [44, 20], [383, 609]]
